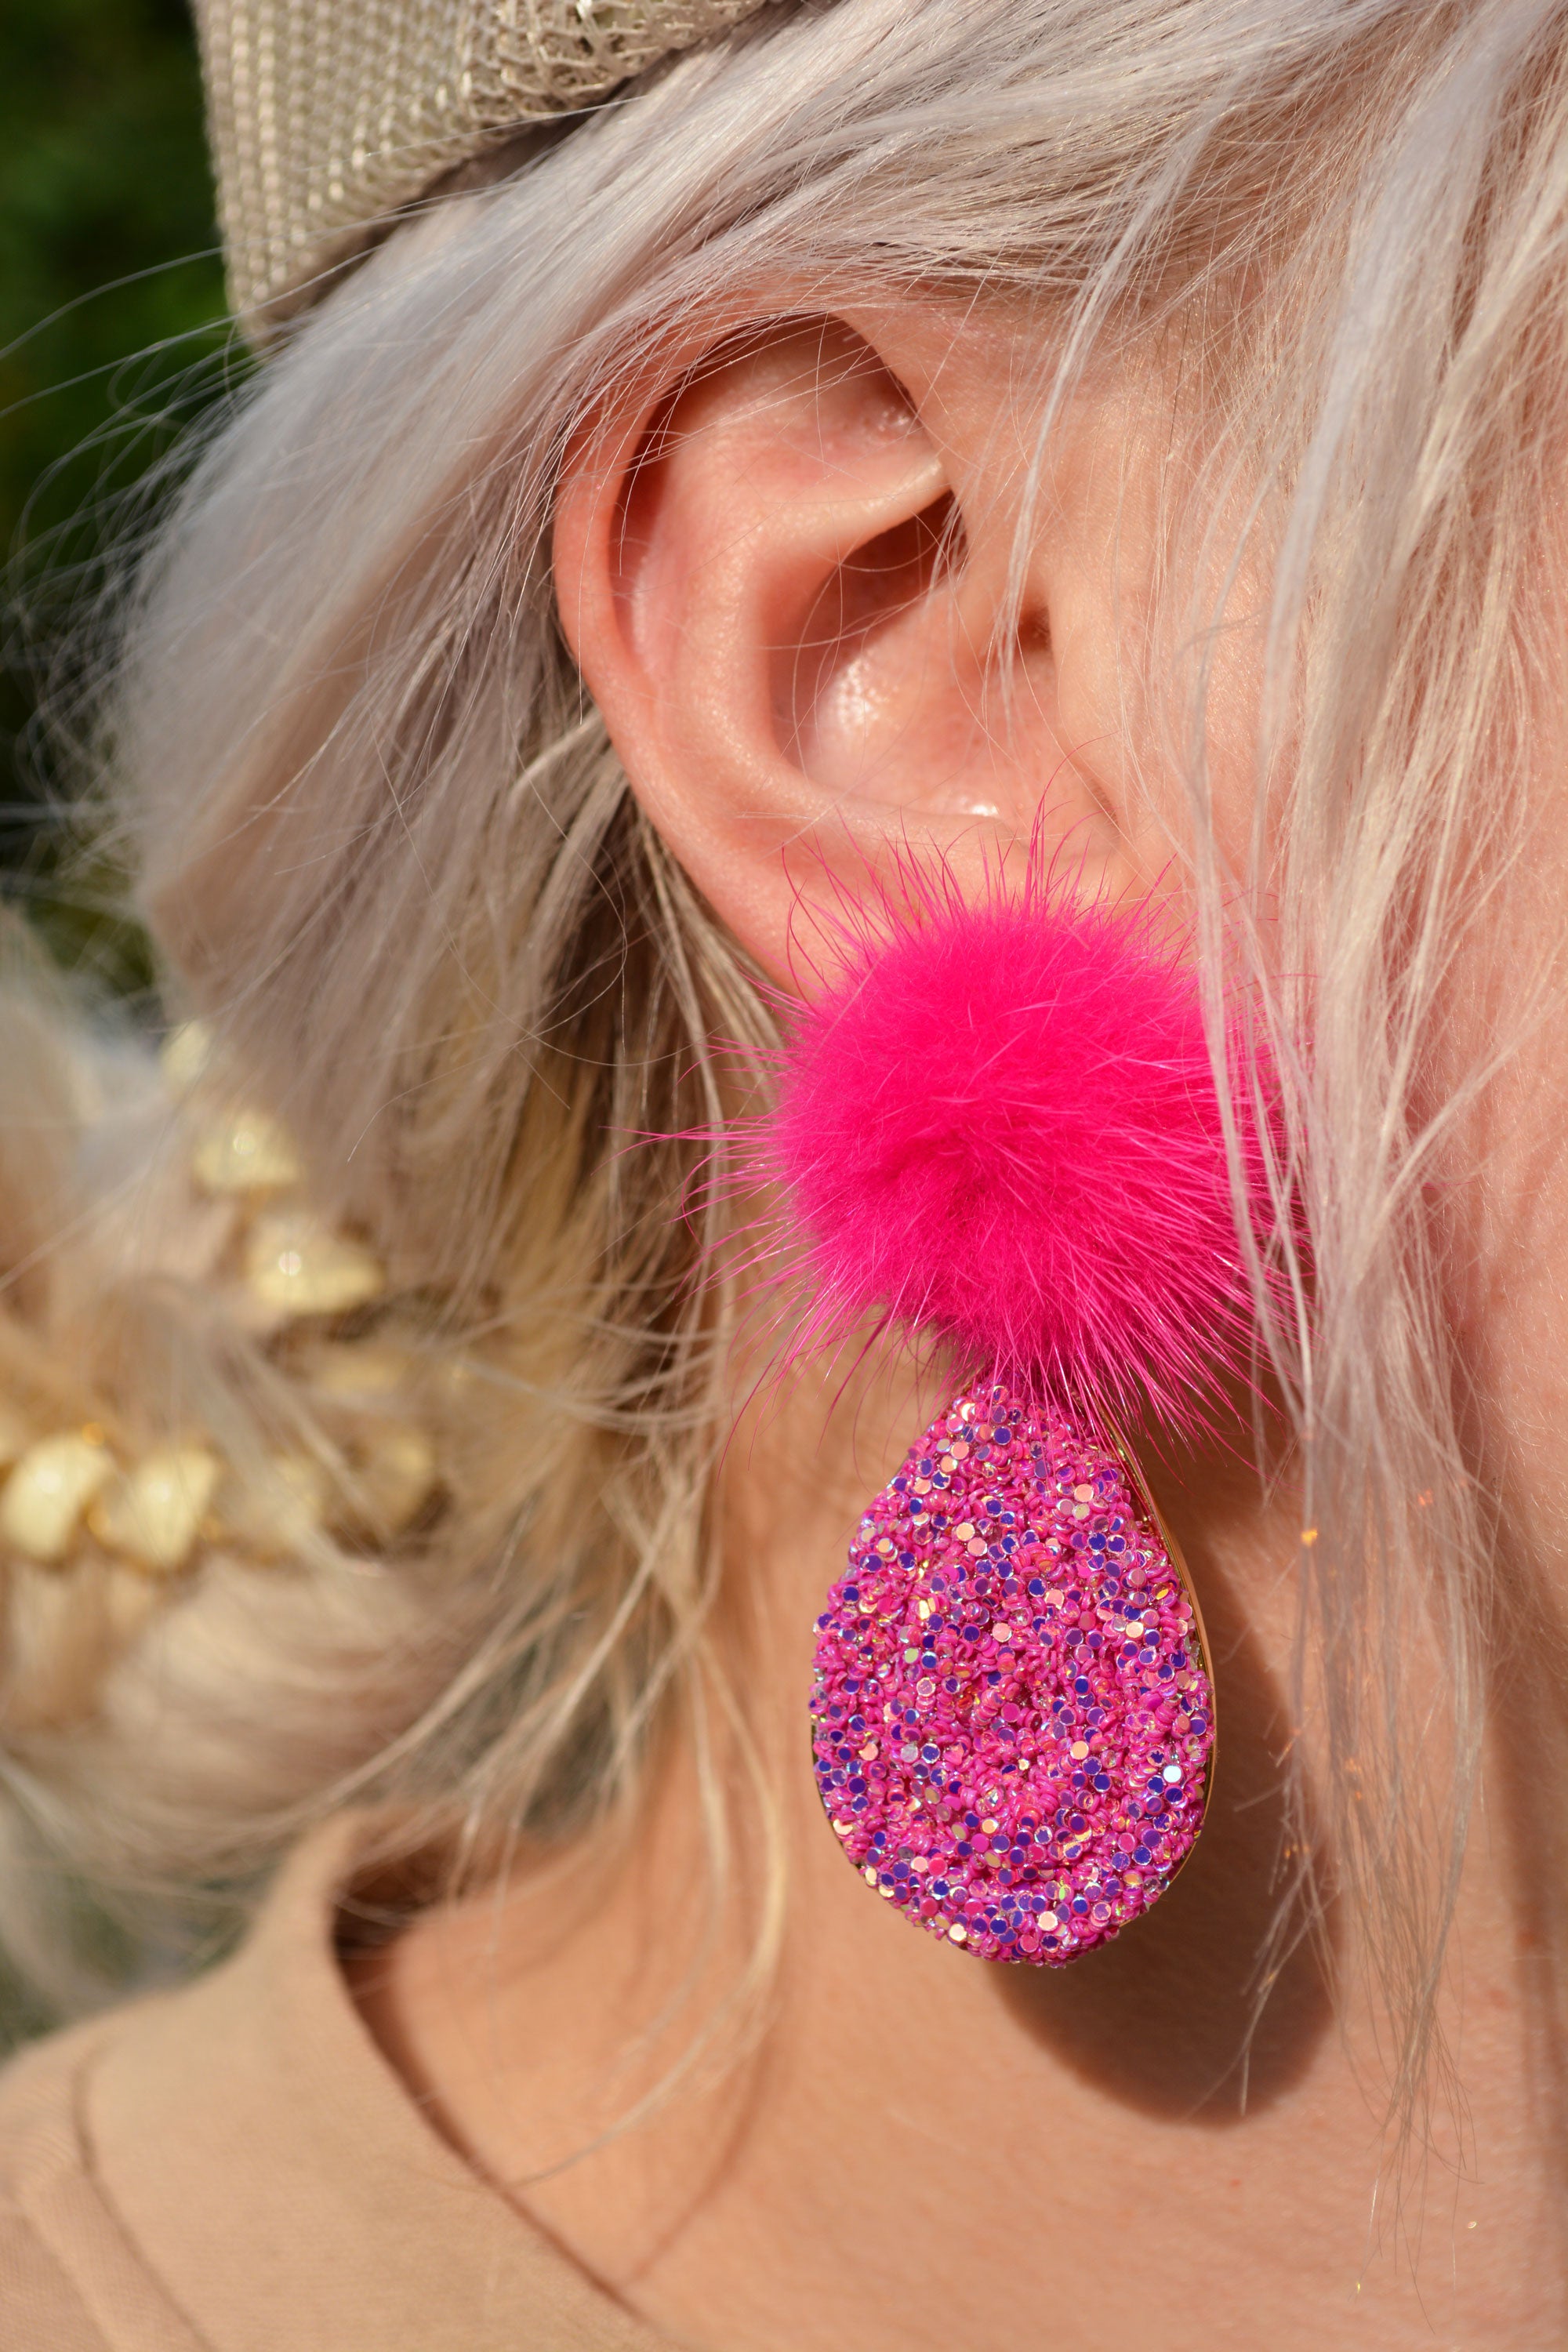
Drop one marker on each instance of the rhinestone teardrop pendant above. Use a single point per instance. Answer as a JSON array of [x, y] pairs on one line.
[[1012, 1717]]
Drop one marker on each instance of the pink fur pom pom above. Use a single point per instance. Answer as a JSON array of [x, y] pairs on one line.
[[1000, 1126]]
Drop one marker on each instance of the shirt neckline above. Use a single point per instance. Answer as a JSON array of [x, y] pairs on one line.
[[282, 2182]]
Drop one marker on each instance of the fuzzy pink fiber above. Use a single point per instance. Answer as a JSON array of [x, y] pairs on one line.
[[999, 1125]]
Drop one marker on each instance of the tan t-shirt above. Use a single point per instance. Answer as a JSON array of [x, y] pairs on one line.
[[233, 2167]]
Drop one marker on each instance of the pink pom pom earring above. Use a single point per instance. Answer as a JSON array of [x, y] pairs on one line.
[[1000, 1127]]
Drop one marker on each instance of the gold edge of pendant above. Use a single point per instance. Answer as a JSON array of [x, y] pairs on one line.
[[1134, 1469]]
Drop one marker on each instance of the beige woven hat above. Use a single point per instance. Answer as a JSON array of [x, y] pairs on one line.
[[326, 116]]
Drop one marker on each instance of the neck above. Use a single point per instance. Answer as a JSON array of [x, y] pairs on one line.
[[889, 2142]]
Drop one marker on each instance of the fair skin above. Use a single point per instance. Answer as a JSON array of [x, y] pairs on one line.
[[920, 2150]]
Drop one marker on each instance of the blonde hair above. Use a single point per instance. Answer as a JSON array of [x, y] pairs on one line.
[[383, 846]]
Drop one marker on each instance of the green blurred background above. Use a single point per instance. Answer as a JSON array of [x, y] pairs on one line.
[[113, 338]]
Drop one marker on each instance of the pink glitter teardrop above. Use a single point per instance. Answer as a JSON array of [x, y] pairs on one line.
[[1012, 1714]]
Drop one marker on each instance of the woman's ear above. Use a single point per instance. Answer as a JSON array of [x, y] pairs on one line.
[[787, 586]]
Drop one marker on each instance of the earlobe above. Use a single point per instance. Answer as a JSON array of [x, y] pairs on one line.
[[788, 621]]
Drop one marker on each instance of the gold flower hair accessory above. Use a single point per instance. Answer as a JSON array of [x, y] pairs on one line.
[[327, 116], [101, 1528]]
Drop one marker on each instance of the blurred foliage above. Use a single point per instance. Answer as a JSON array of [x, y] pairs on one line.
[[112, 335]]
